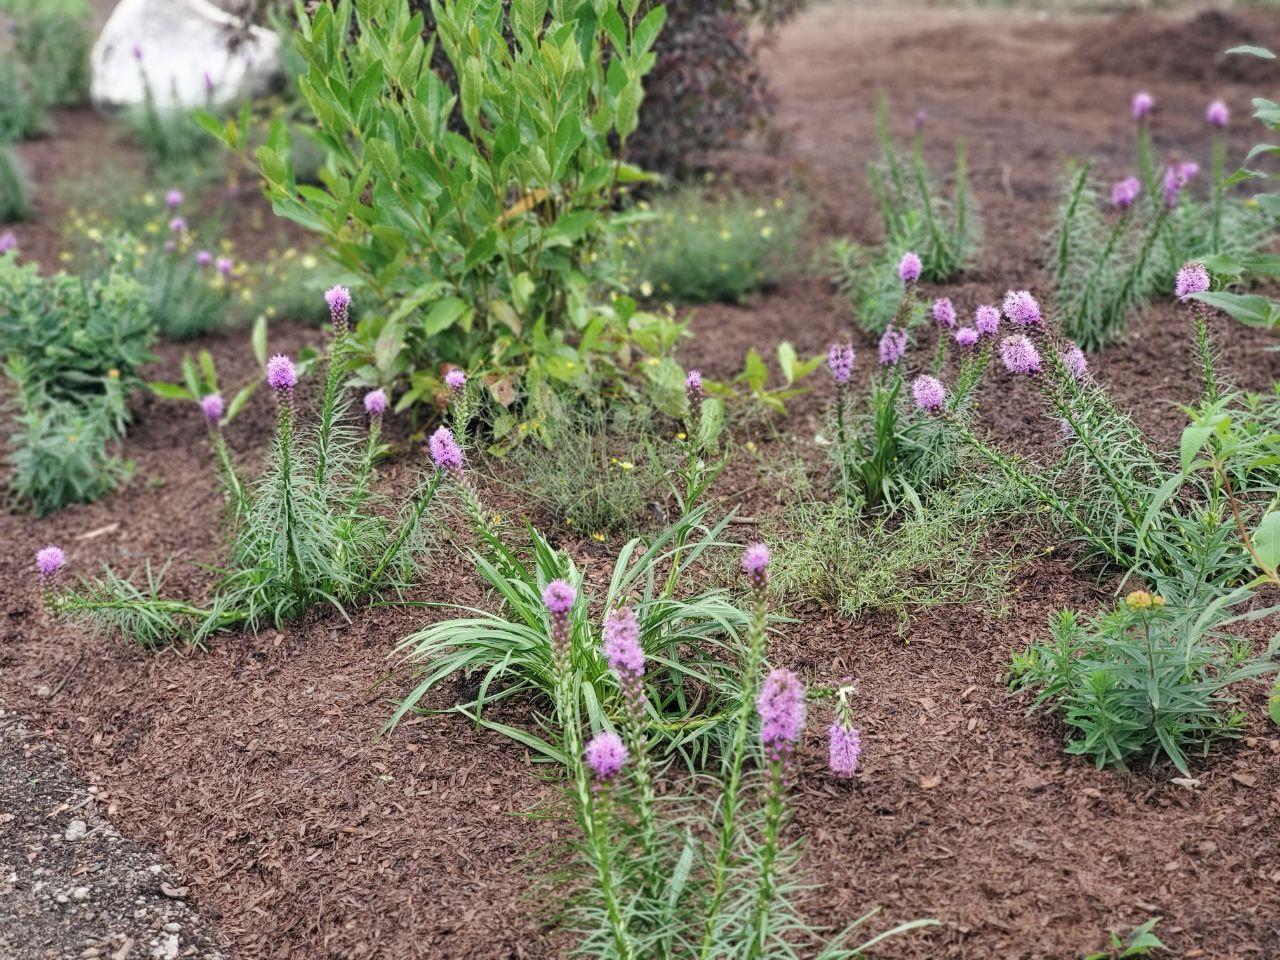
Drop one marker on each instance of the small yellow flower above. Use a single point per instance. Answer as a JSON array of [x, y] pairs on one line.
[[598, 537], [758, 213], [310, 262], [1142, 600], [271, 312], [726, 235], [64, 256], [766, 232], [779, 203], [149, 199], [751, 446], [72, 438], [646, 289], [113, 373], [627, 465], [496, 519], [680, 435]]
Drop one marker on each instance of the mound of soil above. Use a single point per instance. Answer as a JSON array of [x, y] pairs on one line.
[[1136, 45]]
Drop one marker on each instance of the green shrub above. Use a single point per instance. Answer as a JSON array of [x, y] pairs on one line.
[[71, 349], [696, 248], [1146, 681], [52, 39], [22, 115], [481, 244], [15, 188]]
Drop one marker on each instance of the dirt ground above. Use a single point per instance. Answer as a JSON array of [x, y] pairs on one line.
[[256, 768]]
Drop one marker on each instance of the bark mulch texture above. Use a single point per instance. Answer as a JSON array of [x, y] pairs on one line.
[[257, 768]]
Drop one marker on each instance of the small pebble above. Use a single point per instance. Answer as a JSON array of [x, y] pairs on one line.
[[76, 830]]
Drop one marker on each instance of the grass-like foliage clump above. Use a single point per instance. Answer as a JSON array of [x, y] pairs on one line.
[[309, 531], [698, 247]]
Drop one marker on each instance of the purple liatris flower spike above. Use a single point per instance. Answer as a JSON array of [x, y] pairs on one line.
[[282, 376], [559, 596], [173, 199], [1019, 355], [755, 564], [1192, 278], [49, 561], [8, 241], [224, 266], [1074, 359], [203, 258], [987, 320], [928, 393], [1142, 105], [944, 312], [844, 747], [625, 657], [177, 224], [966, 337], [445, 452], [1021, 308], [840, 362], [909, 267], [375, 402], [893, 343], [1125, 192], [781, 708], [1186, 171], [693, 385], [339, 301], [918, 121], [137, 51], [455, 380], [212, 407], [1217, 114], [605, 755]]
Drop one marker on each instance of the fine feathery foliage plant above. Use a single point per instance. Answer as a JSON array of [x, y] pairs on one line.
[[51, 39], [309, 532], [670, 874], [695, 248], [482, 243], [22, 115], [1145, 681]]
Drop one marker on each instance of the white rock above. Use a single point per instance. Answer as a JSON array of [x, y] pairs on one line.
[[182, 46], [80, 894], [76, 830], [166, 948]]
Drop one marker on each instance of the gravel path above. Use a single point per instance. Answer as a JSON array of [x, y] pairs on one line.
[[70, 885]]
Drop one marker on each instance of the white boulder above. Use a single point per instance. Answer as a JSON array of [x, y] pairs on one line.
[[185, 50]]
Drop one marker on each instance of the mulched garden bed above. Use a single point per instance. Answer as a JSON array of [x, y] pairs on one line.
[[257, 768]]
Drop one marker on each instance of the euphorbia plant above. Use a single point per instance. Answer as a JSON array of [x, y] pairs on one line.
[[476, 219]]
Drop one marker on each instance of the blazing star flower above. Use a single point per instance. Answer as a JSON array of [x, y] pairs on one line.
[[944, 312], [49, 561], [909, 267], [1074, 359], [212, 407], [445, 452], [282, 376], [1142, 105], [781, 708], [1019, 355], [928, 393], [622, 642], [987, 320], [203, 258], [844, 747], [1192, 278], [177, 224], [338, 299], [1066, 432], [455, 380], [208, 83], [605, 755], [1021, 308], [1217, 114], [170, 246], [892, 345], [137, 51], [375, 402], [966, 337], [173, 199], [693, 384], [559, 596], [1186, 171], [1125, 192], [8, 241], [755, 564], [840, 362], [224, 266], [918, 121], [1171, 187]]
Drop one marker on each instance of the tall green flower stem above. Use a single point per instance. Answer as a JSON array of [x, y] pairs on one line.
[[360, 489], [1130, 285], [1219, 171], [227, 469], [285, 452], [592, 816], [339, 304], [1147, 165], [1091, 281], [1204, 350], [723, 866], [422, 499], [773, 811]]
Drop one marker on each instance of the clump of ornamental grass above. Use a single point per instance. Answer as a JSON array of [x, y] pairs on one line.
[[670, 874], [308, 532], [598, 471], [506, 652], [1114, 248], [169, 133], [693, 247]]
